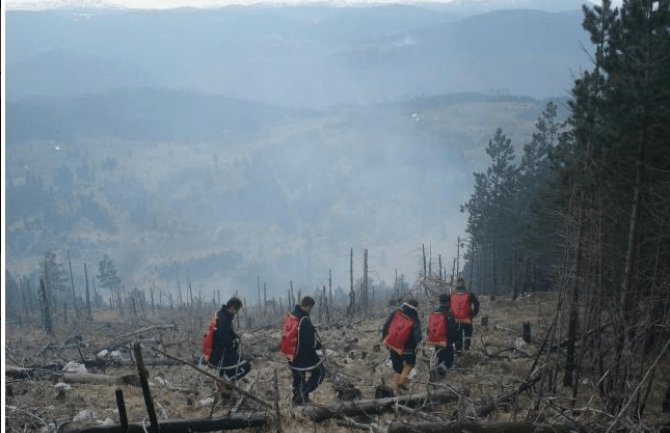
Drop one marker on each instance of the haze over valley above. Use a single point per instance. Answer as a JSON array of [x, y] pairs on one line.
[[242, 141]]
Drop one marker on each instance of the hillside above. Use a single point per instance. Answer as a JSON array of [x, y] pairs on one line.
[[243, 189], [485, 380]]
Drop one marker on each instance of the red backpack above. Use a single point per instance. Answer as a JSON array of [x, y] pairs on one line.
[[437, 329], [460, 307], [208, 340], [288, 345], [398, 332]]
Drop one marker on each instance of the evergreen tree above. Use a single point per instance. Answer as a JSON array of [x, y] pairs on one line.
[[492, 213], [55, 279], [108, 275]]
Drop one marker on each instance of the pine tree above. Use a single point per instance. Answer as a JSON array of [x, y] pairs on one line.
[[108, 275], [492, 214], [55, 279]]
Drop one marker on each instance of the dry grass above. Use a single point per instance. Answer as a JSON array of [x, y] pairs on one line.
[[181, 392]]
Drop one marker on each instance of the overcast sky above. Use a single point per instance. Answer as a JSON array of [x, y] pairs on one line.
[[165, 4]]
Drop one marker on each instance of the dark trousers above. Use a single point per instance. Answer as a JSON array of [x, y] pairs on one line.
[[302, 386], [464, 331], [399, 361], [445, 359], [235, 371]]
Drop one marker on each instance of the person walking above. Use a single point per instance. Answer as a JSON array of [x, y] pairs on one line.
[[442, 332], [464, 306], [225, 344], [401, 333], [299, 343]]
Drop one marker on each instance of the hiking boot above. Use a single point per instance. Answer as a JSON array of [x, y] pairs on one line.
[[301, 401]]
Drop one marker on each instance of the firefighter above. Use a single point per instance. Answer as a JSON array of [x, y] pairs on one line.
[[442, 332], [299, 343], [402, 334], [464, 306], [226, 344]]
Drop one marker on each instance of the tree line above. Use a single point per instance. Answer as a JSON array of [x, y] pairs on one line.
[[586, 211], [50, 295]]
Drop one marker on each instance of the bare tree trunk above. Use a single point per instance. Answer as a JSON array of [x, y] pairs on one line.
[[231, 422], [395, 285], [430, 259], [89, 312], [330, 287], [439, 264], [46, 309], [366, 407], [473, 427], [144, 383], [258, 287], [366, 299], [516, 293], [458, 256], [573, 320], [352, 294], [74, 295], [494, 270]]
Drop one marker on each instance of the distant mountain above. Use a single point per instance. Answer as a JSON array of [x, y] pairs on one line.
[[232, 189], [461, 6], [39, 5], [138, 114], [472, 7], [309, 56], [510, 52]]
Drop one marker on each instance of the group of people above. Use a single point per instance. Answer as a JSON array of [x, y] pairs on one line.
[[300, 343], [449, 331]]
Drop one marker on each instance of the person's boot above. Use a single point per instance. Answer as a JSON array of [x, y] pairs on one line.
[[224, 389], [299, 400], [396, 383], [402, 381]]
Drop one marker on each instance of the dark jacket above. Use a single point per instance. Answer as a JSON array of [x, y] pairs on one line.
[[226, 342], [452, 333], [308, 342], [415, 335]]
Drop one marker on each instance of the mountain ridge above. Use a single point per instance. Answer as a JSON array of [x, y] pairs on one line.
[[303, 57]]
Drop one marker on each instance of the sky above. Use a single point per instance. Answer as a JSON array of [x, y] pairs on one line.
[[167, 4]]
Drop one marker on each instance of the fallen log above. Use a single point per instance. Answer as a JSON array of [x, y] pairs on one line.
[[127, 337], [100, 379], [485, 408], [145, 330], [18, 372], [79, 378], [93, 363], [472, 427], [365, 407], [235, 421], [219, 381], [353, 424]]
